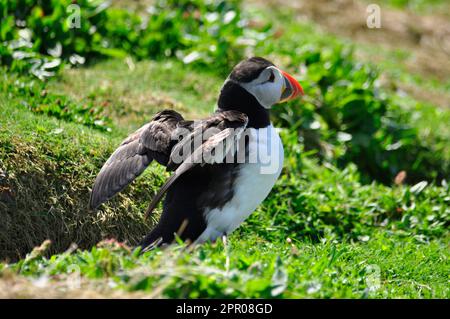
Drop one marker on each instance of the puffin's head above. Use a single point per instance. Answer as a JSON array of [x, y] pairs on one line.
[[265, 82]]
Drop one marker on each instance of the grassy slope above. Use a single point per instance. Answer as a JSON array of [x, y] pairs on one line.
[[52, 179], [133, 93], [49, 166]]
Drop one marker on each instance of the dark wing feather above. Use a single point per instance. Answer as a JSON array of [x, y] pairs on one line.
[[230, 125], [151, 142]]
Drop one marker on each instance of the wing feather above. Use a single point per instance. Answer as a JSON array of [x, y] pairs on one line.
[[151, 142], [230, 124], [154, 141]]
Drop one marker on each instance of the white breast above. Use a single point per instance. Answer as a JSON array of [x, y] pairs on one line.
[[255, 179]]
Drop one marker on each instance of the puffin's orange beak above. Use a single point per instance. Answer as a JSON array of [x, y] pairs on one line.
[[291, 88]]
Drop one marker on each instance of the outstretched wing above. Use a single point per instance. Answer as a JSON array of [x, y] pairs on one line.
[[220, 136], [153, 141]]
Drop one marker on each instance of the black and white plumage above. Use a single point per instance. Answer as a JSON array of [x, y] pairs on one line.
[[212, 189]]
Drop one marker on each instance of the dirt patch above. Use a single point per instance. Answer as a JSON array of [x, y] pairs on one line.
[[17, 287]]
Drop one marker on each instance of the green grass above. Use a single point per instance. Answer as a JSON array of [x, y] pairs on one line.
[[132, 96], [48, 166], [423, 99], [386, 266], [321, 233], [340, 231]]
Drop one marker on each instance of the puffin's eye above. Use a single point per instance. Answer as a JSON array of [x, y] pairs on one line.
[[271, 78]]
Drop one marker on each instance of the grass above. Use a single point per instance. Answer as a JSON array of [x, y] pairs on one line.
[[362, 228], [420, 95], [48, 166], [386, 266], [321, 233], [132, 92]]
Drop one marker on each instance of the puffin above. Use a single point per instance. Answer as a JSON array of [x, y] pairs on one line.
[[223, 166]]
